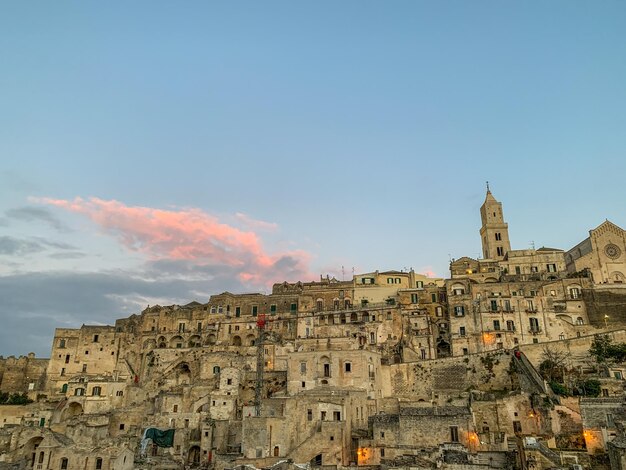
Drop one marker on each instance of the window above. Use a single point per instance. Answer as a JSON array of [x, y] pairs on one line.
[[465, 351], [574, 293], [551, 267], [534, 325], [518, 270], [294, 308], [498, 236], [119, 393], [273, 308], [96, 391], [414, 298], [237, 311], [64, 388], [348, 367], [99, 463], [454, 434], [216, 369], [530, 306], [390, 280], [419, 284], [181, 327], [382, 452], [336, 304], [61, 343], [67, 358], [618, 374], [255, 310], [500, 251], [433, 297], [175, 409], [517, 427], [326, 370], [336, 415], [95, 338], [494, 305], [580, 321], [496, 325], [510, 325], [507, 306], [303, 367], [346, 303], [462, 330], [459, 310], [84, 367], [63, 371], [439, 311], [64, 462], [122, 426], [561, 337], [423, 353], [199, 326], [605, 392], [309, 415], [79, 392]]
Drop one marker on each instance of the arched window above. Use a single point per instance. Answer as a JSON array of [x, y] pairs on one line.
[[64, 388], [580, 321], [276, 451], [41, 455]]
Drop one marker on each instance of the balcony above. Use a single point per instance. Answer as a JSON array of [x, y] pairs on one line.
[[532, 310], [534, 331]]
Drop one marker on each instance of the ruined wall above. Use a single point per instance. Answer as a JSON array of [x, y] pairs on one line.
[[423, 380], [605, 300], [23, 374]]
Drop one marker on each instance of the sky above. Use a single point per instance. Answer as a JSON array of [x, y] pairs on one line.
[[158, 152]]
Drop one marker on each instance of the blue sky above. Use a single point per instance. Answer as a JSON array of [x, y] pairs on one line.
[[360, 133]]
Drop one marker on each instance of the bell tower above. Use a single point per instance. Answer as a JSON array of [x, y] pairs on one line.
[[494, 232]]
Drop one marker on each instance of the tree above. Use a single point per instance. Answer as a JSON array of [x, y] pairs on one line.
[[600, 348], [552, 368]]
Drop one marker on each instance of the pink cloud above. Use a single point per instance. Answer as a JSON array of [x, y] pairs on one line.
[[254, 224], [193, 235]]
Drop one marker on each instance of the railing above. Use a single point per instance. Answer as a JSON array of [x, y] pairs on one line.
[[534, 331]]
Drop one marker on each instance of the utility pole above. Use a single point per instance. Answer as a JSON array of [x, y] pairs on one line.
[[260, 363]]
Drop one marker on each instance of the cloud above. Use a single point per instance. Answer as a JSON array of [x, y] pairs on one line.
[[36, 214], [191, 235], [18, 247], [253, 224], [34, 304], [68, 255]]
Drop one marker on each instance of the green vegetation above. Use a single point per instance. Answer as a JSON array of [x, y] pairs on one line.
[[14, 399], [559, 389], [604, 351]]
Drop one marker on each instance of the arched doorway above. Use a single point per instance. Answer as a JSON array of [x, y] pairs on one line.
[[193, 458], [72, 410]]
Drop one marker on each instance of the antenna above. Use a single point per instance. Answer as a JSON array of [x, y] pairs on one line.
[[532, 244], [343, 273]]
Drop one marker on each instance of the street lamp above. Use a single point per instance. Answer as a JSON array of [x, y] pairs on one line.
[[606, 318]]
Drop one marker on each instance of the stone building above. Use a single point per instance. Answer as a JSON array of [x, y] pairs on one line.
[[388, 369]]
